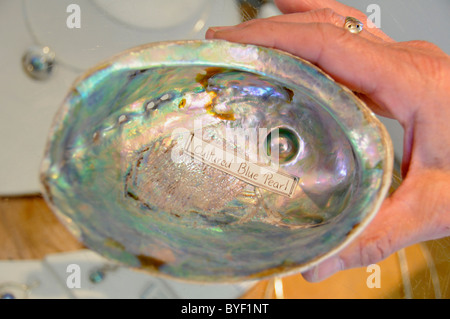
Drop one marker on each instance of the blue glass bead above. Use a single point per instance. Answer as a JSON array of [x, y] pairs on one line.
[[96, 276], [7, 295], [39, 62]]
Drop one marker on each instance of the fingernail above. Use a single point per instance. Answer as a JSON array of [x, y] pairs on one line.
[[221, 28], [324, 270], [315, 274], [212, 30]]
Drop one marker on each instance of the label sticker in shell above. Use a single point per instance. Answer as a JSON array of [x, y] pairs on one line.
[[265, 177]]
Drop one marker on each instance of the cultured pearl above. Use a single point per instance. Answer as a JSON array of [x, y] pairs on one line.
[[285, 142]]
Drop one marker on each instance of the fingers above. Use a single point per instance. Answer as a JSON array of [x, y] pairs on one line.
[[350, 59], [381, 239], [402, 221], [321, 16], [324, 15], [426, 47], [291, 6]]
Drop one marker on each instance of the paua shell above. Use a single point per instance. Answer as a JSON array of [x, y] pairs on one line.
[[118, 173]]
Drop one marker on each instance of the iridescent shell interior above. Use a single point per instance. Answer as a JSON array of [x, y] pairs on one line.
[[109, 171]]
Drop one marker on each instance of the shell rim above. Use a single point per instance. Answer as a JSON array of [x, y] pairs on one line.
[[279, 271]]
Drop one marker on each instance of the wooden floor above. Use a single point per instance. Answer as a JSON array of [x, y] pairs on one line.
[[29, 230]]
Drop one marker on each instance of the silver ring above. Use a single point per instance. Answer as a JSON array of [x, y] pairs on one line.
[[353, 25]]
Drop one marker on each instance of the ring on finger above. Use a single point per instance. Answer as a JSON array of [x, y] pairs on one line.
[[353, 25]]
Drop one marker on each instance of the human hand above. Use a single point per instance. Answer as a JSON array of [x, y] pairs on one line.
[[406, 81]]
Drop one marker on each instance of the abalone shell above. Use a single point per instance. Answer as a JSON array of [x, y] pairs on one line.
[[119, 173]]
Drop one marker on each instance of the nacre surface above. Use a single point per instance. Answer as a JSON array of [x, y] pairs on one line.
[[117, 173]]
